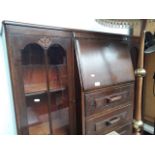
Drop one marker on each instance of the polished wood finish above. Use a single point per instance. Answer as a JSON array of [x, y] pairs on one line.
[[106, 98], [108, 121], [125, 130], [37, 75], [105, 53], [107, 83], [50, 91]]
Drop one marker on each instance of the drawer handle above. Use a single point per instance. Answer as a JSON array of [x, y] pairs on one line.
[[100, 125], [113, 121], [103, 101], [114, 98]]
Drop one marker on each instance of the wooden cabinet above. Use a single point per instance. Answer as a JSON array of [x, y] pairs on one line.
[[42, 72], [107, 84], [69, 81], [110, 97]]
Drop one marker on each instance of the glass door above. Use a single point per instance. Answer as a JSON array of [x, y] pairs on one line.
[[35, 87], [58, 89]]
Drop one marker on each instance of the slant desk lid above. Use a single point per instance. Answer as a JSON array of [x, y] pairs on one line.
[[102, 62]]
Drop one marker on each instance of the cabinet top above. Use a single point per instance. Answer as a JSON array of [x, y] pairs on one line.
[[109, 30]]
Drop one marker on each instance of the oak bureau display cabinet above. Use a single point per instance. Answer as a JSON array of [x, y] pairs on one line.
[[42, 72], [68, 81]]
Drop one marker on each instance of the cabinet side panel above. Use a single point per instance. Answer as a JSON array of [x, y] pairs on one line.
[[17, 85]]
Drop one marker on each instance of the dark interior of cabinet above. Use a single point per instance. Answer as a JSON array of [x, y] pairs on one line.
[[134, 52], [46, 92], [78, 98], [57, 69], [56, 55], [134, 56], [33, 54], [33, 63]]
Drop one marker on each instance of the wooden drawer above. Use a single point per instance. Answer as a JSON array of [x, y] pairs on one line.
[[108, 122], [125, 130], [108, 98]]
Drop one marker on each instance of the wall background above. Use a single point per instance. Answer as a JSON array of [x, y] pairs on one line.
[[7, 116]]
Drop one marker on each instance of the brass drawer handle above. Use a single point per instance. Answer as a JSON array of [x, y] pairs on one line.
[[113, 121], [105, 100], [102, 124], [114, 98]]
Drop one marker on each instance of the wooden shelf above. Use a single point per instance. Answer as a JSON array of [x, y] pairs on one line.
[[43, 129], [39, 129], [43, 65], [36, 89], [33, 66], [53, 90]]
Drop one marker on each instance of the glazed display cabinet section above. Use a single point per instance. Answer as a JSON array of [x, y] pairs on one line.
[[37, 88], [41, 63]]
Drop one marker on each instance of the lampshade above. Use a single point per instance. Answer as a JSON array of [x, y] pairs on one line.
[[134, 24]]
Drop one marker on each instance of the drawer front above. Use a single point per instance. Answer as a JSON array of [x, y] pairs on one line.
[[125, 130], [108, 122], [108, 98]]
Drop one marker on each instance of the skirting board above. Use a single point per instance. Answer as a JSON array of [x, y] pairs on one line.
[[148, 128]]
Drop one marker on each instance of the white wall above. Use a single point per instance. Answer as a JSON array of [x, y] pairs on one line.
[[7, 116], [66, 13]]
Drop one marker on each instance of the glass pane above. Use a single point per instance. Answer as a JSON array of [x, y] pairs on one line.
[[59, 101], [37, 110], [34, 77]]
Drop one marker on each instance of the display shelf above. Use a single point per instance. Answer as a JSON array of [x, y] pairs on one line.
[[36, 89], [39, 129]]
